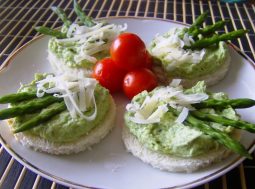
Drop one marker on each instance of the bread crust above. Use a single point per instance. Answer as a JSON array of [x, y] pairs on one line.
[[173, 163], [81, 144]]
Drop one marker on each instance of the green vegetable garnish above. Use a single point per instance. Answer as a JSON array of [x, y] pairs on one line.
[[216, 134], [209, 30], [48, 31], [205, 42], [198, 22], [221, 104], [239, 124], [86, 20], [17, 97], [43, 116], [29, 107], [208, 34], [61, 14]]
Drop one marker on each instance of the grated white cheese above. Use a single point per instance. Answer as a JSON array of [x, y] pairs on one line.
[[169, 48], [87, 41], [183, 115], [175, 82], [77, 91], [156, 105]]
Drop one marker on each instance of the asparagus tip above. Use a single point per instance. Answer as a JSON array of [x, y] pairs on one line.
[[246, 31], [206, 12], [248, 156], [75, 2], [37, 28], [15, 131], [53, 8]]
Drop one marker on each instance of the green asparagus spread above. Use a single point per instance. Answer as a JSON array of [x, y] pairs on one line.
[[66, 52], [169, 137], [62, 128], [214, 58]]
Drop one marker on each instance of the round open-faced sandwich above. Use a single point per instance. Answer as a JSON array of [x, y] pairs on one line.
[[78, 46], [61, 114], [193, 53], [183, 130]]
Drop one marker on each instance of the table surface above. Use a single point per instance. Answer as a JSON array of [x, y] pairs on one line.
[[18, 17]]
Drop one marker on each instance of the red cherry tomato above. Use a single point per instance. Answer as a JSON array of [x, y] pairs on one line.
[[149, 60], [128, 51], [139, 80], [109, 75]]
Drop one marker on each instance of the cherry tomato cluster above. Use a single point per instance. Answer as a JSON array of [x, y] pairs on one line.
[[128, 69]]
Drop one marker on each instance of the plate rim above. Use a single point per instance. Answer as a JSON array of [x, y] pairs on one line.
[[69, 183]]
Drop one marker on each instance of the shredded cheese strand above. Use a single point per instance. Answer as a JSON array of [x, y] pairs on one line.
[[169, 47], [77, 91], [87, 41], [183, 115], [156, 105]]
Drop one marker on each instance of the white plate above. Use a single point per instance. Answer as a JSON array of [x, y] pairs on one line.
[[108, 165]]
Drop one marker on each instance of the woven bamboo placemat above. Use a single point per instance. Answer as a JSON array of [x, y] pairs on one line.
[[18, 17]]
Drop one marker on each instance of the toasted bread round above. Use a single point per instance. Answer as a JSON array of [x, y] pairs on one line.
[[169, 162], [210, 79], [81, 144]]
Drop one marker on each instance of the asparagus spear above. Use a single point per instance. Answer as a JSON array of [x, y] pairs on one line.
[[61, 14], [17, 97], [239, 124], [49, 31], [205, 42], [30, 107], [216, 134], [43, 116], [208, 30], [86, 20], [221, 104], [198, 22]]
